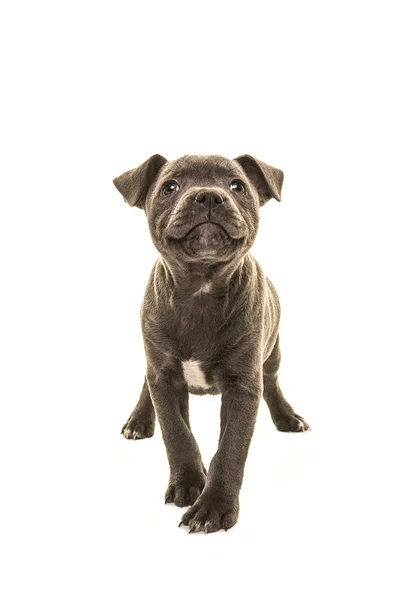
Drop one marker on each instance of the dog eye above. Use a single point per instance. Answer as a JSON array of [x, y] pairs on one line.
[[237, 186], [170, 188]]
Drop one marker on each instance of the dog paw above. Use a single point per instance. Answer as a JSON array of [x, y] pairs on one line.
[[184, 489], [211, 512], [291, 422], [138, 428]]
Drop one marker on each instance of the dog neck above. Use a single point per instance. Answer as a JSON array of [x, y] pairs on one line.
[[195, 277]]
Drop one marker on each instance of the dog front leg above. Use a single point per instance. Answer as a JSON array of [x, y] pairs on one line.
[[218, 505], [170, 398]]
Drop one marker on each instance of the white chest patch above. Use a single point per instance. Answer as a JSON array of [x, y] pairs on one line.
[[193, 374], [205, 288]]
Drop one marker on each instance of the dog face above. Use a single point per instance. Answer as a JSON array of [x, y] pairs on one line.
[[201, 207]]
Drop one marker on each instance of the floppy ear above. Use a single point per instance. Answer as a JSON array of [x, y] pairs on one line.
[[135, 184], [268, 180]]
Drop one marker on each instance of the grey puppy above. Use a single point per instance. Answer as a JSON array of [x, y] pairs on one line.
[[209, 320]]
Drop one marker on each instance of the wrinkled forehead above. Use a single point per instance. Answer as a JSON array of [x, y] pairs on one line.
[[202, 168]]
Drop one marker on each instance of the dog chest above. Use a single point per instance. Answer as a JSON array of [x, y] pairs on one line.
[[193, 374], [196, 380]]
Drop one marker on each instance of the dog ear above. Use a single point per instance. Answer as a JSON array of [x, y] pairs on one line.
[[268, 180], [134, 184]]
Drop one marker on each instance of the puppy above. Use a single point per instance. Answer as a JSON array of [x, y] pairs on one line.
[[209, 320]]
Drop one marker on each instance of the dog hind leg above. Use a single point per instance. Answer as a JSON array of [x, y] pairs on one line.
[[283, 415], [142, 420]]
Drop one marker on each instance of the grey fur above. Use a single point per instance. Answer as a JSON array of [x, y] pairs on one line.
[[208, 301]]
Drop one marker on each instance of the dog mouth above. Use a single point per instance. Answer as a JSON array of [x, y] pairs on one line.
[[208, 239], [208, 228], [180, 229]]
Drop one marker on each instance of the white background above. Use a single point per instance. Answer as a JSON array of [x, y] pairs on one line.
[[90, 90]]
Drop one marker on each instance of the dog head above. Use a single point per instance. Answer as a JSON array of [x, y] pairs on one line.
[[201, 207]]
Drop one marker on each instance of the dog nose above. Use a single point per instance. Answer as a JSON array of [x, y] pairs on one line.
[[209, 197]]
